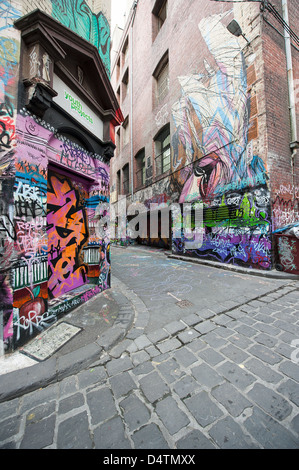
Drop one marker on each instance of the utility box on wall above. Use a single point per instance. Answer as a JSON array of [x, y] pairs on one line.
[[58, 184]]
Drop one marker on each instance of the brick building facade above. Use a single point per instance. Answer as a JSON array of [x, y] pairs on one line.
[[208, 118]]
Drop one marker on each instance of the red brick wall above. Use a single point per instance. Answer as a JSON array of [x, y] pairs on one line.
[[284, 182]]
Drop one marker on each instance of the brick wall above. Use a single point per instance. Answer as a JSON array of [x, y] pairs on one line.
[[284, 179]]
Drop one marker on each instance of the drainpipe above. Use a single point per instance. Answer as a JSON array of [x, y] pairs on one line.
[[131, 96], [293, 143]]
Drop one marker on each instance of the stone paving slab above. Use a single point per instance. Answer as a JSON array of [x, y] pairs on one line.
[[233, 385], [190, 395]]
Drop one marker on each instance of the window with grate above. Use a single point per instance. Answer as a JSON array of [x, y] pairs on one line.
[[162, 84], [126, 132], [117, 143], [159, 15], [140, 168], [162, 15], [162, 151], [118, 186], [126, 179], [124, 83], [161, 79]]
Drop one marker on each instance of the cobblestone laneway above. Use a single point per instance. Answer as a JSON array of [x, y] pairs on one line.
[[223, 374]]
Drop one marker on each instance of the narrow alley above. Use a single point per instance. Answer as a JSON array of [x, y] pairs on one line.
[[210, 362]]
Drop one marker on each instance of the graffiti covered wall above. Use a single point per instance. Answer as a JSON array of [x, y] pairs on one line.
[[94, 27], [9, 59], [60, 260], [53, 257], [214, 158]]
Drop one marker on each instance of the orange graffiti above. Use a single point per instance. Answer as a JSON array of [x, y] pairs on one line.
[[67, 235]]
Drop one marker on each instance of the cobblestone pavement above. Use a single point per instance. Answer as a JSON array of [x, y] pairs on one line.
[[221, 376]]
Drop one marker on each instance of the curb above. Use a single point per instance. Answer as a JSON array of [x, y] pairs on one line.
[[229, 267], [17, 383]]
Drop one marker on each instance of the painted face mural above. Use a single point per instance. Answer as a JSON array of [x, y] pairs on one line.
[[214, 158], [67, 235], [212, 117]]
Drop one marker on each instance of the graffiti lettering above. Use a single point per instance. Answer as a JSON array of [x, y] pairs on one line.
[[7, 125], [80, 19], [25, 191], [284, 212], [67, 235], [90, 293], [30, 238], [31, 322], [287, 250]]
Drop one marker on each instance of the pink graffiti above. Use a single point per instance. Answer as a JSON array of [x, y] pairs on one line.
[[91, 293]]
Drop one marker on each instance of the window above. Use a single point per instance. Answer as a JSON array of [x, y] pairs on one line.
[[162, 151], [126, 131], [125, 82], [162, 84], [125, 51], [118, 69], [161, 79], [117, 142], [118, 186], [140, 168], [159, 13], [162, 15], [126, 179]]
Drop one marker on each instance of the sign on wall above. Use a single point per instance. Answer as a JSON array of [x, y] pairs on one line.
[[77, 108]]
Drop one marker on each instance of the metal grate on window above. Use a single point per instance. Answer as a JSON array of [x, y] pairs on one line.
[[162, 84]]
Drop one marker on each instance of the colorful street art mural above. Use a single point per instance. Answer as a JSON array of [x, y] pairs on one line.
[[213, 158], [52, 255], [9, 59], [60, 262], [77, 15]]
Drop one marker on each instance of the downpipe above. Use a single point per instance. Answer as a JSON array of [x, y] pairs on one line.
[[291, 93]]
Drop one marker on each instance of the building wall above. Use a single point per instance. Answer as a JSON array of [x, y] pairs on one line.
[[225, 98], [284, 173], [53, 254], [9, 60], [60, 259]]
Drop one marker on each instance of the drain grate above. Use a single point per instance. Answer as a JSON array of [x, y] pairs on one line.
[[184, 304]]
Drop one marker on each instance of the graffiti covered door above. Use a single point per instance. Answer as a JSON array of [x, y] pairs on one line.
[[67, 229]]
